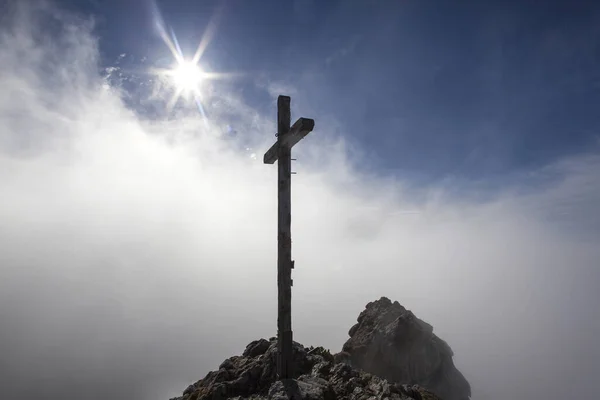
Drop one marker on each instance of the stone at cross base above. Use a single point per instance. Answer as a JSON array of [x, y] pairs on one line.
[[315, 376], [391, 342]]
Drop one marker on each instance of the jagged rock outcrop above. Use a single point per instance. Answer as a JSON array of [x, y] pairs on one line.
[[391, 342], [316, 377]]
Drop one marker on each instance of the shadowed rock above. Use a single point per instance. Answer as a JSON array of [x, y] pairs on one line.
[[316, 377], [391, 342]]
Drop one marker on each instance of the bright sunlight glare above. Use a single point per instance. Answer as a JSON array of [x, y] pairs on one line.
[[187, 76]]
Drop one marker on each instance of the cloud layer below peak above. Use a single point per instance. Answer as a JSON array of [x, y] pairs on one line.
[[137, 254]]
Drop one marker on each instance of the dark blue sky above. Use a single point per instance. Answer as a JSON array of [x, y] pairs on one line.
[[131, 235], [475, 91]]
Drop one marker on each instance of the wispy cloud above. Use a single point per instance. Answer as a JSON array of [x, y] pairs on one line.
[[344, 50], [137, 254]]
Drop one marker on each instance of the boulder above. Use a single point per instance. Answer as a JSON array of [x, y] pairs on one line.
[[391, 342]]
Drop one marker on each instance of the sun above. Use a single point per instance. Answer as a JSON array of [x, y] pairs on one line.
[[187, 79], [187, 76]]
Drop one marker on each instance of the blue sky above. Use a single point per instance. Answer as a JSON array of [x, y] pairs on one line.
[[454, 168], [474, 92]]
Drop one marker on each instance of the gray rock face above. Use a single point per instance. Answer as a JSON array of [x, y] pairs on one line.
[[316, 377], [391, 342]]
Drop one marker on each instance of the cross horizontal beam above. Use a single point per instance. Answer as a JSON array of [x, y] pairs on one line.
[[297, 132]]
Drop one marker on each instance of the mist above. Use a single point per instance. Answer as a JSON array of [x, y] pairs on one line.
[[136, 254]]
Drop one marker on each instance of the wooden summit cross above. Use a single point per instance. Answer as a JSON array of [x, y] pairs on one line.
[[281, 152]]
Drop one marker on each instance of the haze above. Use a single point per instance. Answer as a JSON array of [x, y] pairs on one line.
[[137, 252]]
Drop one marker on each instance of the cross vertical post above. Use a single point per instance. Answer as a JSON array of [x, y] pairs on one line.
[[284, 239], [281, 151]]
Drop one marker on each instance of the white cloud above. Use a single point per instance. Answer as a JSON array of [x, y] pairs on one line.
[[136, 255]]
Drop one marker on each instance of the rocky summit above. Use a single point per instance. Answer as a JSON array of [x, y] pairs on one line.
[[253, 376], [391, 342], [389, 355]]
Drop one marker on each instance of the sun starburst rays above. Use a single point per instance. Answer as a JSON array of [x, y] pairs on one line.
[[188, 78]]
